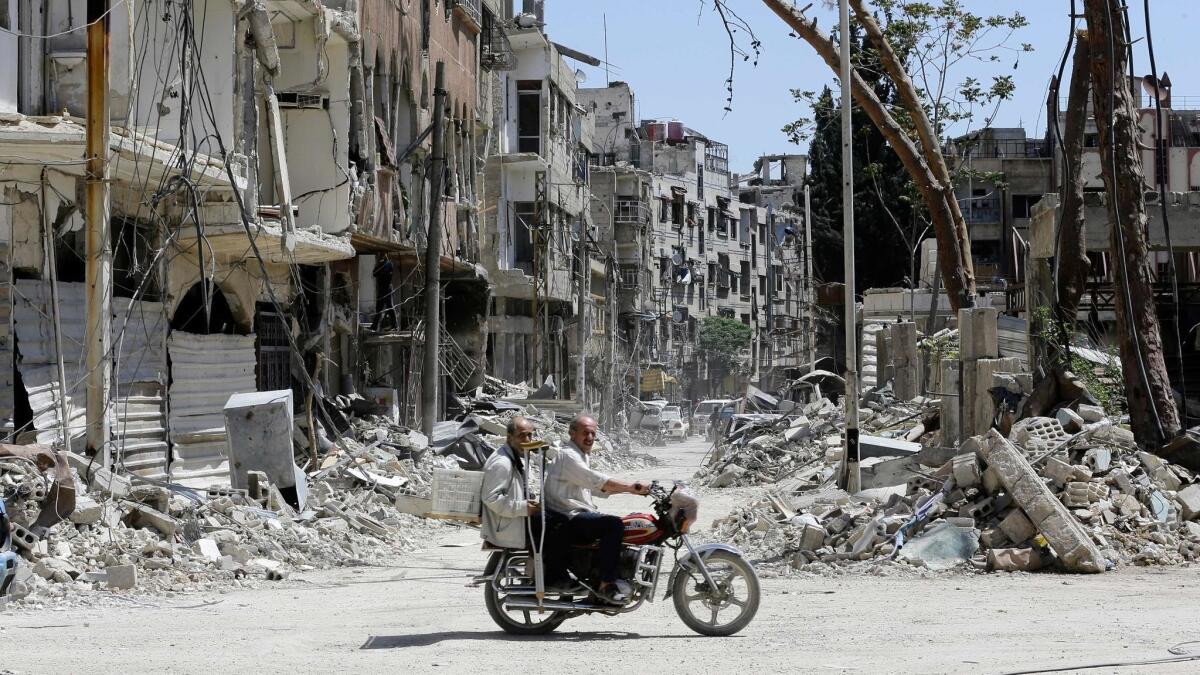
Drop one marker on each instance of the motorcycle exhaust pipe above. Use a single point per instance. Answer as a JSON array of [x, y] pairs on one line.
[[557, 605]]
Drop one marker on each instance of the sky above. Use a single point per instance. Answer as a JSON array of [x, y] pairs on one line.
[[675, 56]]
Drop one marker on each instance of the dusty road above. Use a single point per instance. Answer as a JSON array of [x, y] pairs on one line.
[[420, 616]]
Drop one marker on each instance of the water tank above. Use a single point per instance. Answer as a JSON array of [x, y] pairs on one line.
[[674, 131], [656, 131]]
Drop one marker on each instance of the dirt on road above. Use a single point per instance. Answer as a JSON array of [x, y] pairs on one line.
[[421, 616]]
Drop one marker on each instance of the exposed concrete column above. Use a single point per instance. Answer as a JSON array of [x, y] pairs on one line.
[[905, 365], [977, 342], [951, 414]]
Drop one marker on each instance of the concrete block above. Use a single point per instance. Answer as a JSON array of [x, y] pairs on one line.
[[1017, 527], [1014, 559], [87, 510], [1071, 422], [1091, 413], [1098, 460], [121, 577], [1158, 471], [1037, 435], [1189, 501], [142, 516], [977, 334], [966, 470], [1058, 471], [993, 537], [812, 537], [1064, 534], [258, 429], [207, 548]]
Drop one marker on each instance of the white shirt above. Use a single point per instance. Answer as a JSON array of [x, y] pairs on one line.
[[570, 482]]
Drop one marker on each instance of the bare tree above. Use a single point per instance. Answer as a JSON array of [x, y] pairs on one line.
[[1152, 411], [954, 252], [1072, 257]]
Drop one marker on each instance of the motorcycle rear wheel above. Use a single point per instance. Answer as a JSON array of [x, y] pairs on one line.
[[517, 622], [737, 588]]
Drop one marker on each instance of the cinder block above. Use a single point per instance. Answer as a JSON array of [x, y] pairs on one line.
[[121, 576], [966, 470], [1017, 527]]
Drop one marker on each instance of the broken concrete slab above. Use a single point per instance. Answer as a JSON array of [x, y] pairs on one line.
[[1189, 501], [941, 546], [1017, 527], [1057, 524]]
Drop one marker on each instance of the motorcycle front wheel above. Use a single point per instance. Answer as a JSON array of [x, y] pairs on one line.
[[725, 609], [517, 621]]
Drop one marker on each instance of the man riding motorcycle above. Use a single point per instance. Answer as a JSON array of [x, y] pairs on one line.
[[570, 485]]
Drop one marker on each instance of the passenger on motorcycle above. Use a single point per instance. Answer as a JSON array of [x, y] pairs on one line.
[[508, 515], [570, 485]]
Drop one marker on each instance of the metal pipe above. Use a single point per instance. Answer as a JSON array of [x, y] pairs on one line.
[[809, 292], [51, 267], [430, 372], [849, 478], [99, 245]]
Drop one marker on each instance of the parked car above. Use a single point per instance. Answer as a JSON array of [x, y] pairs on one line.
[[673, 422], [703, 413]]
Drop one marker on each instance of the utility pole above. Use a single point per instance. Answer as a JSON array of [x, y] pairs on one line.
[[848, 479], [769, 380], [581, 327], [430, 372], [615, 393], [809, 289], [99, 246]]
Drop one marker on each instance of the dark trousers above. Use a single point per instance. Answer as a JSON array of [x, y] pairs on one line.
[[588, 526], [552, 546]]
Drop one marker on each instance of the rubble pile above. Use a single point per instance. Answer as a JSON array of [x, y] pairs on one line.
[[769, 448], [160, 539], [83, 530], [1071, 492]]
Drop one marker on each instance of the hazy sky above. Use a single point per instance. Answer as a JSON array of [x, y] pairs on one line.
[[675, 55]]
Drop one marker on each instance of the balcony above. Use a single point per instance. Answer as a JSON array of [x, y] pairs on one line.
[[496, 52], [470, 13], [981, 211], [631, 211]]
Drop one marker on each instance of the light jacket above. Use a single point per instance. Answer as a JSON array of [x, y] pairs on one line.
[[505, 507]]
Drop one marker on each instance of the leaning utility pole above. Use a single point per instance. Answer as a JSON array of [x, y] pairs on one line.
[[98, 262], [430, 372], [1152, 412], [849, 477], [769, 380]]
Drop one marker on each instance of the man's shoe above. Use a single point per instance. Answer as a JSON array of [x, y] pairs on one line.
[[618, 592]]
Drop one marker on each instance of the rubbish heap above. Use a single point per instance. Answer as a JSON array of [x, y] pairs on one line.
[[1069, 491], [82, 530], [765, 449]]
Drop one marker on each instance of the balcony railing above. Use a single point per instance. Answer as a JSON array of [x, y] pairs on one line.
[[981, 211], [470, 11], [633, 211]]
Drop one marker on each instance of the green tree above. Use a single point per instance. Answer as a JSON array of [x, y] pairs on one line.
[[723, 341]]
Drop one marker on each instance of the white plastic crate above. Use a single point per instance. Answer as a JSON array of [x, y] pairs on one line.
[[456, 494]]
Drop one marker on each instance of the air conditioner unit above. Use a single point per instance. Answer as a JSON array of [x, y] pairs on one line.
[[301, 100]]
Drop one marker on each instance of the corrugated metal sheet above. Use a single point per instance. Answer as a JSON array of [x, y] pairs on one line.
[[1012, 336], [139, 330], [38, 361], [6, 346], [205, 371]]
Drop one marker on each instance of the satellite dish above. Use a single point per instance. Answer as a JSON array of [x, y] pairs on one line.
[[580, 76], [677, 259], [678, 316]]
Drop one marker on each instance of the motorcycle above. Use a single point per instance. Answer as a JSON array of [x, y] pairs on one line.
[[705, 580], [8, 557]]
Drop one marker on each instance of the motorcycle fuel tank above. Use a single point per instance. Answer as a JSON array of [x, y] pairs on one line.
[[640, 528]]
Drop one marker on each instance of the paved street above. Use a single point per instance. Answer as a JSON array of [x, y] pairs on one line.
[[420, 616]]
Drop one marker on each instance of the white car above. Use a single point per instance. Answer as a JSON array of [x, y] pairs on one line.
[[673, 423], [704, 411]]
